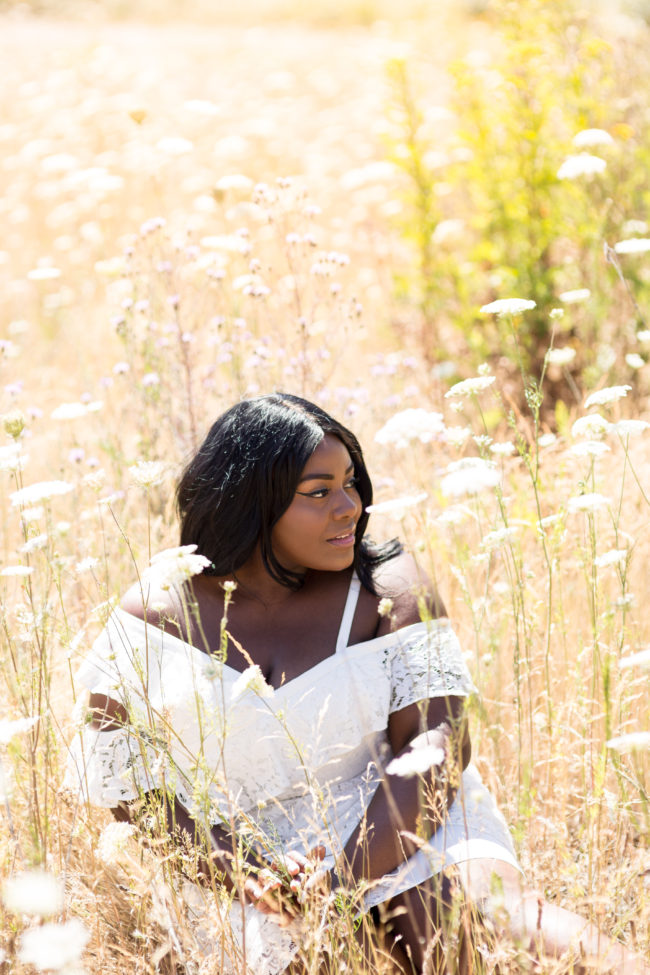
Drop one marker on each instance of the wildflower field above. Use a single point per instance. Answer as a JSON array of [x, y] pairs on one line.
[[435, 224]]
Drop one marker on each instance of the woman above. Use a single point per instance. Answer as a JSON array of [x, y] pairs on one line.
[[274, 702]]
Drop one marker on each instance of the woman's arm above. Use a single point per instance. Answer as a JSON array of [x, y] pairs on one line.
[[215, 852], [376, 846], [401, 803], [217, 857]]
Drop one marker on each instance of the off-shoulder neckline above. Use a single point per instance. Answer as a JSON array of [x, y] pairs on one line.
[[438, 623]]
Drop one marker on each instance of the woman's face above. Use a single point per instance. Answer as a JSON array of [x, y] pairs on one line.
[[317, 529]]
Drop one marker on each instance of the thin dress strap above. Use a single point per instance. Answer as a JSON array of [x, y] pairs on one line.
[[348, 613]]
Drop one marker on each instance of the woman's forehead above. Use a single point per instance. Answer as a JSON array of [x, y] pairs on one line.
[[330, 451]]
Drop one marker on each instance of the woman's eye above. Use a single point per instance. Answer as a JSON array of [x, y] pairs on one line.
[[350, 484]]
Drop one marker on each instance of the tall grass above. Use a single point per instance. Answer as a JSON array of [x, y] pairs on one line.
[[187, 229]]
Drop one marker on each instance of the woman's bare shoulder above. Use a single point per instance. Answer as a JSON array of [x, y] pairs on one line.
[[413, 593], [148, 601]]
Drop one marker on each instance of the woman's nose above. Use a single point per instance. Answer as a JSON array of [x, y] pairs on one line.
[[346, 504]]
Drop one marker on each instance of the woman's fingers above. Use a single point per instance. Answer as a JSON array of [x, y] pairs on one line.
[[264, 892], [292, 863], [320, 878], [280, 888]]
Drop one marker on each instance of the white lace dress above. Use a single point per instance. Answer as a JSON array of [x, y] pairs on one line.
[[301, 762]]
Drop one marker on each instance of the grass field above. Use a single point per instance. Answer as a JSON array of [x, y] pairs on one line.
[[200, 208]]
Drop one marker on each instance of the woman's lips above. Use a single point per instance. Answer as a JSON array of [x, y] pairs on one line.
[[344, 539]]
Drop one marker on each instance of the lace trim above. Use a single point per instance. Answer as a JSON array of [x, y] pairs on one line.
[[109, 767], [428, 664]]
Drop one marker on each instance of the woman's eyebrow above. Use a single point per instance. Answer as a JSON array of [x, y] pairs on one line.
[[323, 477]]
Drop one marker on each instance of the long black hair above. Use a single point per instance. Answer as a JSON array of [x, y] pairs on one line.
[[244, 477]]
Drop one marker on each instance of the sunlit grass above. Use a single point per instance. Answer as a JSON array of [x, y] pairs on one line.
[[190, 217]]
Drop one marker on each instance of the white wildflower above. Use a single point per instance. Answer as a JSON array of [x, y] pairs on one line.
[[53, 946], [201, 106], [448, 231], [112, 267], [6, 788], [615, 556], [508, 306], [633, 245], [29, 515], [11, 458], [455, 515], [94, 479], [44, 273], [396, 506], [42, 491], [627, 428], [174, 566], [574, 296], [86, 565], [470, 476], [590, 448], [633, 226], [549, 520], [556, 314], [592, 137], [469, 387], [72, 411], [421, 756], [412, 424], [16, 570], [634, 360], [110, 499], [174, 145], [609, 394], [506, 449], [592, 426], [456, 436], [584, 164], [113, 841], [252, 679], [482, 440], [633, 742], [236, 181], [34, 544], [561, 357], [229, 243], [9, 729], [33, 892], [643, 336], [497, 538], [547, 439], [640, 659], [147, 473], [587, 502]]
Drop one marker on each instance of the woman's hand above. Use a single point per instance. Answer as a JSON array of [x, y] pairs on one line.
[[282, 889]]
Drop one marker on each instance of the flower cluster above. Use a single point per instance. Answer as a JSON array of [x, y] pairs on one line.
[[113, 841], [469, 476], [251, 680], [147, 473], [174, 566], [409, 425]]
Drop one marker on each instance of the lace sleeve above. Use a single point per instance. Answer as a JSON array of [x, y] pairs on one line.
[[108, 767], [427, 662]]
